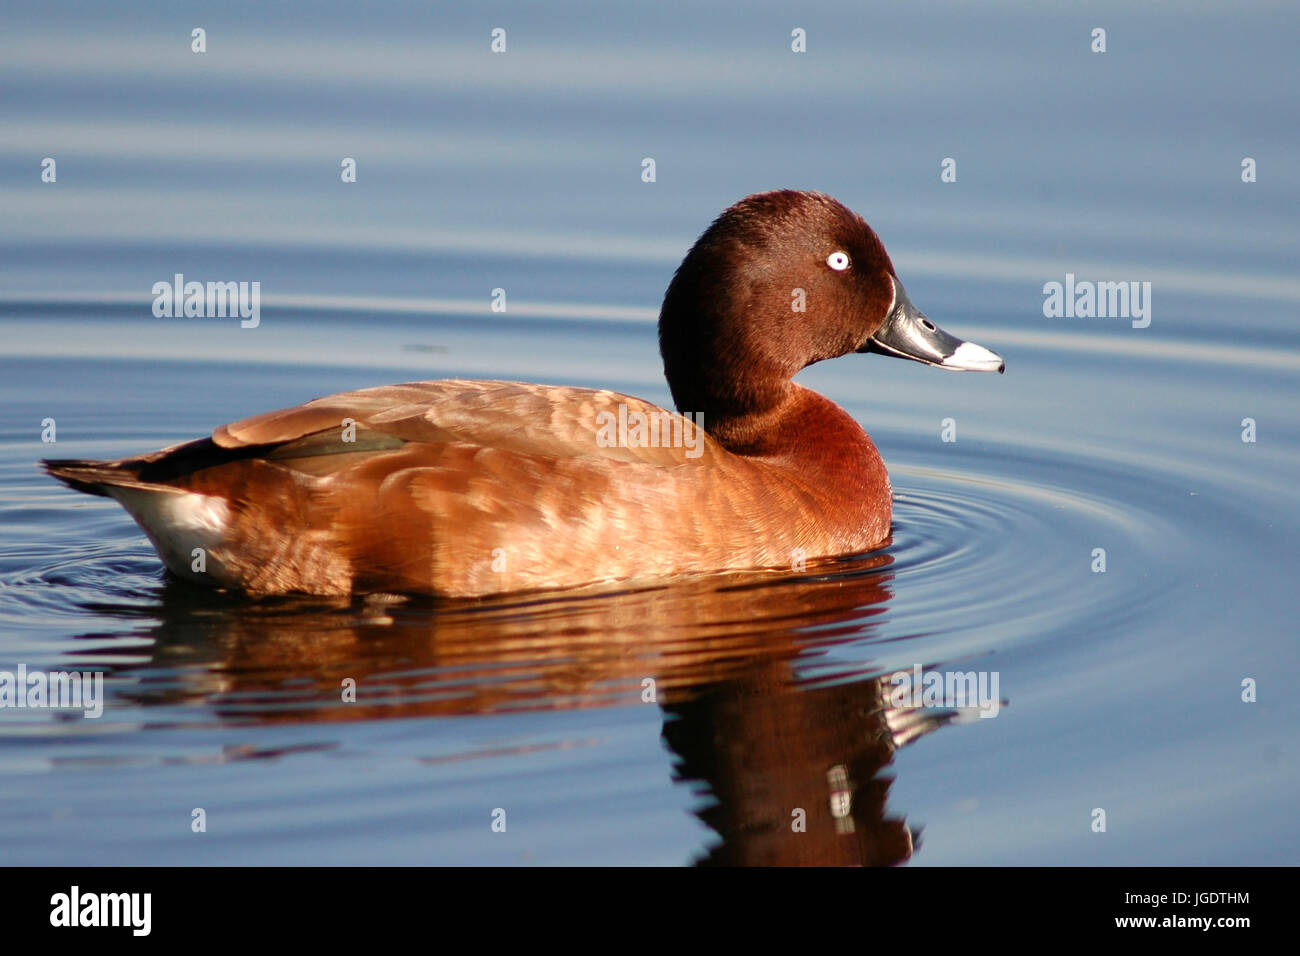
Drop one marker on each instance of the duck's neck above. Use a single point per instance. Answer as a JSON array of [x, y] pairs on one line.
[[756, 425], [806, 428]]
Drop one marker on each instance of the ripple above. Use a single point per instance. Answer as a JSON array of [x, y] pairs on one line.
[[959, 548]]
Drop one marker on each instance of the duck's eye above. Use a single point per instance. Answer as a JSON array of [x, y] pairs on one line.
[[839, 261]]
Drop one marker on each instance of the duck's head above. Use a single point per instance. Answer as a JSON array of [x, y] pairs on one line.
[[781, 280]]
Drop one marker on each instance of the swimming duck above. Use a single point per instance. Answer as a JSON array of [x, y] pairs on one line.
[[467, 488]]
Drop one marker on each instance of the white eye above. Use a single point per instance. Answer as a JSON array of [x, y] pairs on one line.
[[839, 261]]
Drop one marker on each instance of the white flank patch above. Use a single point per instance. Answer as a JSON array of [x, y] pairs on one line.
[[177, 522]]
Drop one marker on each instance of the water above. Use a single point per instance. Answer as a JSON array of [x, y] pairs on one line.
[[1119, 690]]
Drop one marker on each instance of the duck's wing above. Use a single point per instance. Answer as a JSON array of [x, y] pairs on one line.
[[544, 420], [335, 431]]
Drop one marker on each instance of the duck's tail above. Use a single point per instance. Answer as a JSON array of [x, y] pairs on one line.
[[92, 476], [155, 471]]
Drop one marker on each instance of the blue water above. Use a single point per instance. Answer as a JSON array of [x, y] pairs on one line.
[[522, 171]]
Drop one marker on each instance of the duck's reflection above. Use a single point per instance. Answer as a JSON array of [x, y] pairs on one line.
[[798, 775], [791, 753]]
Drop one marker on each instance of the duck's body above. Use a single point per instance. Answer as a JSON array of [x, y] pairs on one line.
[[467, 488], [463, 488]]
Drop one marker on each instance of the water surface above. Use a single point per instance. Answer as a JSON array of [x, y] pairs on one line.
[[1120, 690]]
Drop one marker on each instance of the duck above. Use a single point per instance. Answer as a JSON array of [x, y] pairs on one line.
[[465, 489]]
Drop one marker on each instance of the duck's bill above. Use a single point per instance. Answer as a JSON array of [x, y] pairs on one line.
[[908, 334]]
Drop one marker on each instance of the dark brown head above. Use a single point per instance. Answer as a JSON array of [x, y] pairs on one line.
[[779, 281]]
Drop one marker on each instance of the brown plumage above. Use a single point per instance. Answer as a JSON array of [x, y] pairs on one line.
[[465, 488]]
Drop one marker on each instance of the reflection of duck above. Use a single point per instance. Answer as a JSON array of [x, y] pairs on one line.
[[725, 654], [797, 776], [468, 488]]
